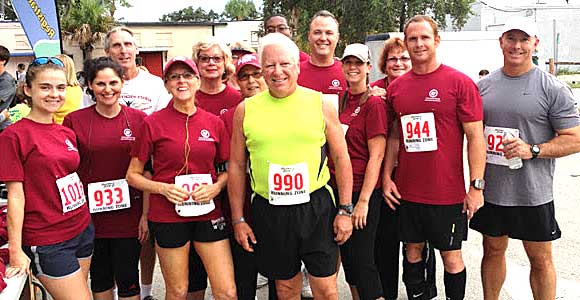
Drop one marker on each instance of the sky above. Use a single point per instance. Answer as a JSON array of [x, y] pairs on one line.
[[152, 10]]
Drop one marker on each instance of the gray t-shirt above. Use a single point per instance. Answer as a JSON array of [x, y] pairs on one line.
[[7, 92], [537, 104]]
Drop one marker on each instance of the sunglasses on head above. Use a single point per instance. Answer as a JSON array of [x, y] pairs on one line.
[[47, 60]]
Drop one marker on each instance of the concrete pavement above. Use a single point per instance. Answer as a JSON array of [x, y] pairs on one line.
[[566, 250]]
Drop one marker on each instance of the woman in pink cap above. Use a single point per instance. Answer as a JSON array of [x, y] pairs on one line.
[[189, 147]]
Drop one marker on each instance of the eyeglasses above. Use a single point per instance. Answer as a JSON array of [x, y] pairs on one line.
[[279, 28], [394, 60], [47, 60], [246, 76], [177, 76], [206, 59]]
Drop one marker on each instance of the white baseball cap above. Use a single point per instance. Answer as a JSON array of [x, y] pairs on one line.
[[527, 25], [360, 51]]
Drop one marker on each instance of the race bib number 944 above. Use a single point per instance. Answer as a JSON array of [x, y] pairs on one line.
[[190, 208], [419, 132], [288, 185], [72, 194], [108, 195]]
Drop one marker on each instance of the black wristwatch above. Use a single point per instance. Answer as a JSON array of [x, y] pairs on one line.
[[478, 184], [535, 149], [348, 208]]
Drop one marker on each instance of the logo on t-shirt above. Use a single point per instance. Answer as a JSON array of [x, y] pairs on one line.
[[223, 111], [432, 97], [70, 146], [355, 112], [205, 136], [335, 85], [127, 135]]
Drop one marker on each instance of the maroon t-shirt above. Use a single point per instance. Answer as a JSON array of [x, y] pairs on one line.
[[434, 177], [228, 119], [304, 56], [164, 136], [105, 147], [219, 103], [380, 83], [327, 80], [364, 123], [37, 155]]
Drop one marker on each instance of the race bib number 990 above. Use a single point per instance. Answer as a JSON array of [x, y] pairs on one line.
[[495, 137], [288, 185], [419, 132], [108, 195], [72, 194], [190, 208]]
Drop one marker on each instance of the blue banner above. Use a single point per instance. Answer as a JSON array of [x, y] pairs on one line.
[[40, 23]]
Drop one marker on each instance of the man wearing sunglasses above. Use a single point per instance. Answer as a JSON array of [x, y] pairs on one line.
[[7, 89], [279, 23]]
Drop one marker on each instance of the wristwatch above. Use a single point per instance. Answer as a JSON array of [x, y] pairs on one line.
[[535, 149], [348, 208], [478, 184]]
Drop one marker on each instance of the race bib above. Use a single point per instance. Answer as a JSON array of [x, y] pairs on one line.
[[288, 185], [419, 133], [332, 98], [344, 128], [190, 208], [495, 137], [108, 195], [72, 194]]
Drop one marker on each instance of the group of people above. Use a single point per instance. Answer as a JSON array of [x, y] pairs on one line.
[[301, 162]]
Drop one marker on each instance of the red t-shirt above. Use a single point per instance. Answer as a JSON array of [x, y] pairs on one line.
[[228, 118], [327, 80], [304, 56], [219, 103], [37, 155], [105, 148], [163, 137], [380, 83], [434, 177], [364, 123]]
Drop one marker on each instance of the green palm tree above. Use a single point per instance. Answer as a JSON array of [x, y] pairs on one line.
[[86, 22]]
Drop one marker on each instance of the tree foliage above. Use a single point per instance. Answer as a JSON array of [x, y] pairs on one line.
[[189, 14], [85, 21], [359, 18], [9, 13], [239, 10]]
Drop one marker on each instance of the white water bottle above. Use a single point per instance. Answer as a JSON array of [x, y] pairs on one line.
[[514, 163]]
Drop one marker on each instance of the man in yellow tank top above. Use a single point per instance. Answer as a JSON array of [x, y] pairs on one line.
[[285, 133]]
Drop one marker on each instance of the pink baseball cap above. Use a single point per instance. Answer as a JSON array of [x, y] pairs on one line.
[[248, 59], [183, 59]]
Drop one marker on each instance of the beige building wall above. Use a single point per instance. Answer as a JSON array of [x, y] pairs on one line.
[[171, 38]]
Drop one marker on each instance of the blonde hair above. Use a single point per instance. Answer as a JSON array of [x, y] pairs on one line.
[[210, 42], [69, 70]]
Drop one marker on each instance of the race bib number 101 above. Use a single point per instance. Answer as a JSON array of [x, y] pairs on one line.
[[108, 195], [72, 194], [419, 132], [190, 208], [288, 185]]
